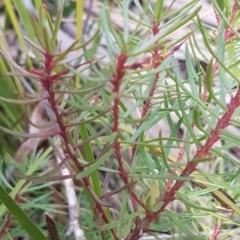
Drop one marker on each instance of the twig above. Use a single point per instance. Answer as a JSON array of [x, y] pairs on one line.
[[73, 208]]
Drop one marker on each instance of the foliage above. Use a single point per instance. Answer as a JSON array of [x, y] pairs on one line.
[[83, 129]]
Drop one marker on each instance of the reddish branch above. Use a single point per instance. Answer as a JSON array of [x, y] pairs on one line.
[[223, 122], [116, 83], [157, 59], [216, 232], [47, 79], [228, 35]]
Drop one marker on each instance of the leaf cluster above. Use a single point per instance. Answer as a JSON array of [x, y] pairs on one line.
[[149, 150]]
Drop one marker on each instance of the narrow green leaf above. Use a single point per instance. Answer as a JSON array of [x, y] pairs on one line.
[[209, 86], [26, 135], [38, 3], [57, 25], [30, 171], [22, 218], [125, 6], [93, 167], [13, 17], [79, 19], [24, 15], [197, 121], [191, 73], [88, 154], [186, 117], [149, 44], [184, 227], [164, 156], [205, 38], [122, 213], [221, 4], [158, 10]]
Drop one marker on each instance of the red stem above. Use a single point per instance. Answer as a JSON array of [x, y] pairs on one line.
[[156, 58], [116, 83], [216, 232], [47, 82], [169, 196]]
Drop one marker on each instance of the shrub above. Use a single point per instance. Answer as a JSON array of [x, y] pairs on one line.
[[94, 126]]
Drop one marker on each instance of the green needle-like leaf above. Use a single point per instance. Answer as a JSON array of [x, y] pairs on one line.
[[28, 225]]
